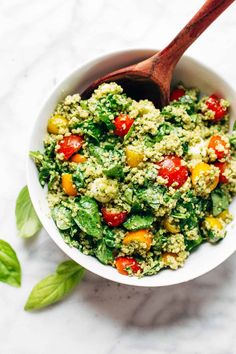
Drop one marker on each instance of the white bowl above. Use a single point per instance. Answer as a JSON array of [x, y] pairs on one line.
[[192, 73]]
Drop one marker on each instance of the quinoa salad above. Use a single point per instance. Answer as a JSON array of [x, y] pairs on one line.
[[137, 187]]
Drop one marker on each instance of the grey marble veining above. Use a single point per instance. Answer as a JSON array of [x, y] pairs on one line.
[[41, 41]]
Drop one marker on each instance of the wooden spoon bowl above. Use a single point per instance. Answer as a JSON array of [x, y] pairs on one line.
[[151, 78]]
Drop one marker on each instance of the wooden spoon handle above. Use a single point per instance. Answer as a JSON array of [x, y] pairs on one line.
[[202, 19]]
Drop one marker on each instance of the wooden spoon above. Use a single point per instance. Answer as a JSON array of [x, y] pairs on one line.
[[151, 78]]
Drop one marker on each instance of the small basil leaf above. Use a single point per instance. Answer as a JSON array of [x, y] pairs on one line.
[[10, 270], [137, 222], [27, 221], [88, 218], [56, 286]]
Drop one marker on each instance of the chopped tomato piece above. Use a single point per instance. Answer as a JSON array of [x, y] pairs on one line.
[[77, 158], [127, 263], [213, 103], [173, 171], [69, 145], [176, 94], [123, 124], [113, 218], [222, 166], [219, 145]]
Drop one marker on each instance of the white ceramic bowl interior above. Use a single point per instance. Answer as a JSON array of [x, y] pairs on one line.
[[192, 73]]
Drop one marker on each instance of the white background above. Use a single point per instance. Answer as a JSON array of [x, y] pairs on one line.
[[40, 42]]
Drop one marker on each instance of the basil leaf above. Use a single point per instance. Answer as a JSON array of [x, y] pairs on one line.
[[56, 286], [88, 218], [109, 237], [137, 222], [220, 201], [103, 253], [78, 178], [10, 270], [27, 221], [191, 244]]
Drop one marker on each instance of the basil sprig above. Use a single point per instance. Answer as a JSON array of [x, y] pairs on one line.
[[56, 286], [27, 221], [10, 270]]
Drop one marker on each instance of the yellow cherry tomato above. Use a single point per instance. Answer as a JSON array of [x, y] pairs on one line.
[[67, 184], [213, 223], [133, 157], [203, 169], [56, 123], [142, 236], [171, 226], [166, 255], [225, 215], [77, 158]]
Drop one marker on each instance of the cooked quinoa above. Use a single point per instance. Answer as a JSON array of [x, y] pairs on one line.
[[137, 187]]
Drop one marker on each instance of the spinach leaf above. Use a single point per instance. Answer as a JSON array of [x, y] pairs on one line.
[[97, 152], [27, 221], [78, 178], [220, 201], [10, 270], [104, 253], [114, 171], [56, 286], [137, 222], [151, 196], [88, 218], [191, 244], [62, 217], [109, 237], [232, 138], [90, 129]]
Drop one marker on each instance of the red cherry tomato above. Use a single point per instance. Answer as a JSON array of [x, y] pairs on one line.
[[213, 103], [124, 263], [219, 145], [172, 170], [222, 166], [70, 145], [113, 219], [176, 94], [123, 124]]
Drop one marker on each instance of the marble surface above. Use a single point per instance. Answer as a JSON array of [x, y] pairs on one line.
[[41, 41]]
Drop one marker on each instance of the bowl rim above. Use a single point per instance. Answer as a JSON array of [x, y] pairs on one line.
[[126, 280]]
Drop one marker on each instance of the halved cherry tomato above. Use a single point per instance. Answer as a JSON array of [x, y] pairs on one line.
[[213, 103], [113, 218], [70, 145], [142, 236], [172, 170], [124, 263], [123, 124], [78, 158], [219, 145], [176, 94], [222, 166]]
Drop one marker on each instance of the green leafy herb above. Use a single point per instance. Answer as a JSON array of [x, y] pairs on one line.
[[88, 218], [114, 171], [10, 270], [56, 286], [104, 253], [78, 178], [27, 221], [220, 201], [137, 222], [192, 244], [109, 237], [62, 217]]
